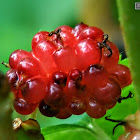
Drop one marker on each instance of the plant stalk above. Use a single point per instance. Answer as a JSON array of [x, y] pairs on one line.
[[130, 24]]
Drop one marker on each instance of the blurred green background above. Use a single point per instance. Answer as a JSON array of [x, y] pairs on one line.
[[21, 20]]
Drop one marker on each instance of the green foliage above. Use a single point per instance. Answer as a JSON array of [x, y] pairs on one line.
[[68, 131]]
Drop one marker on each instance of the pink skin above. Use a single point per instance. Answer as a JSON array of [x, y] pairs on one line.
[[44, 52], [87, 53], [92, 33], [65, 59], [77, 106], [17, 56], [34, 90], [43, 35], [95, 76], [110, 62], [55, 96], [107, 94], [64, 113], [94, 109], [24, 108], [29, 67], [122, 73], [47, 110], [66, 36], [78, 29]]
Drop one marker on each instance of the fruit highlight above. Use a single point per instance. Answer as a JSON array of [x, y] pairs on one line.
[[69, 71]]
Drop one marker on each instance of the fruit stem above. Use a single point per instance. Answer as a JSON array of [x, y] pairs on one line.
[[120, 122], [130, 95], [5, 64], [129, 21], [33, 115], [104, 44]]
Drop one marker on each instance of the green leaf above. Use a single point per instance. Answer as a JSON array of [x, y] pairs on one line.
[[71, 131], [124, 62]]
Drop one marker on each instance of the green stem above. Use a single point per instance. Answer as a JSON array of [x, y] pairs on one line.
[[33, 115], [130, 25]]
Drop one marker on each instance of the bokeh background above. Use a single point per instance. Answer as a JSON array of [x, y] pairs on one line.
[[21, 20]]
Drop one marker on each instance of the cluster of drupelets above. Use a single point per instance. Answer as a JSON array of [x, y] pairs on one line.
[[69, 71]]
